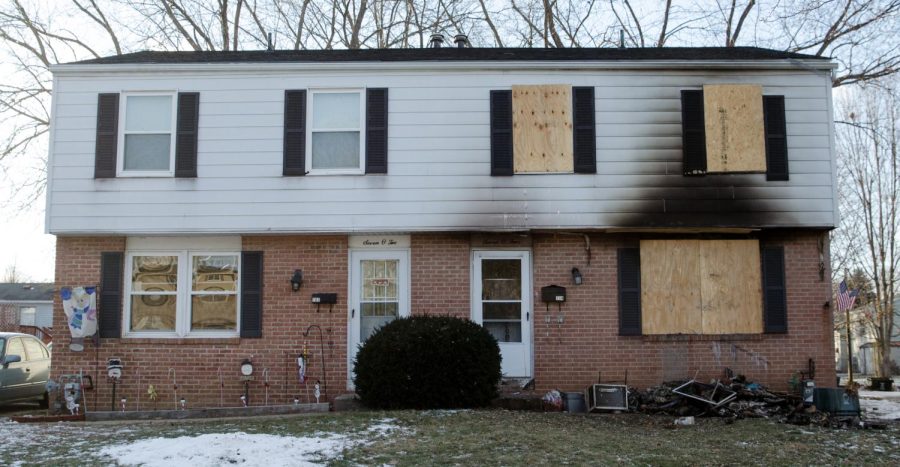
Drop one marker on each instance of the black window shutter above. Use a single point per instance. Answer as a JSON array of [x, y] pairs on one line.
[[776, 138], [294, 132], [251, 293], [501, 133], [186, 136], [693, 133], [774, 293], [107, 144], [110, 322], [584, 131], [629, 291], [376, 131]]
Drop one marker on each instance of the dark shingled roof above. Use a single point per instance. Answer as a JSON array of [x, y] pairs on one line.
[[26, 292], [455, 54]]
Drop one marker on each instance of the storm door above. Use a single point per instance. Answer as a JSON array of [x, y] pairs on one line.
[[501, 302], [379, 293]]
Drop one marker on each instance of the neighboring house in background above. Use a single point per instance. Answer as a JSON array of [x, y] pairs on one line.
[[863, 341], [682, 196], [26, 306]]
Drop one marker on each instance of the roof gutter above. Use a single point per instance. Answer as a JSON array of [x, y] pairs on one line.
[[293, 67]]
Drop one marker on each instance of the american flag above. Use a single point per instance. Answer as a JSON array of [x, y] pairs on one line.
[[846, 297]]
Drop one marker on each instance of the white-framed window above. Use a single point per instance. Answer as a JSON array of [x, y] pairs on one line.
[[335, 135], [27, 315], [182, 293], [147, 134]]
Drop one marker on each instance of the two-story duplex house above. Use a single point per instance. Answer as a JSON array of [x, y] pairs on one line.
[[682, 196]]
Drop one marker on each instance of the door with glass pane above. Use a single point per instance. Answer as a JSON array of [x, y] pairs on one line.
[[501, 302], [379, 293]]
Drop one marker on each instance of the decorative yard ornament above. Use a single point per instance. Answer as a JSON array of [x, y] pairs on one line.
[[151, 393], [316, 391], [123, 401], [71, 403], [301, 365], [80, 306], [183, 403], [244, 400]]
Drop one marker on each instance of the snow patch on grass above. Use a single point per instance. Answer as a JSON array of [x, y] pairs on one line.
[[880, 405], [246, 449], [229, 448]]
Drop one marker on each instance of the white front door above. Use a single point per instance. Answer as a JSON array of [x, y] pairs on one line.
[[501, 302], [379, 293]]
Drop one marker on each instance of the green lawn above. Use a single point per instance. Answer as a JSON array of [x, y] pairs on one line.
[[486, 438]]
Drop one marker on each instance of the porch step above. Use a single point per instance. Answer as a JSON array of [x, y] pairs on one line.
[[508, 384]]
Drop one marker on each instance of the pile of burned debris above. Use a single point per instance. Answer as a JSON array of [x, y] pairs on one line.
[[738, 398]]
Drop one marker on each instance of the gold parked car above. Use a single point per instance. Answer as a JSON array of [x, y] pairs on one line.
[[24, 369]]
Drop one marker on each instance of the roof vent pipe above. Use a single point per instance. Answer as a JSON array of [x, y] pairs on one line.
[[270, 47], [621, 38], [437, 39], [461, 41]]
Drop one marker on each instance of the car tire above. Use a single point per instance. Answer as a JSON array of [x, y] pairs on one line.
[[45, 400]]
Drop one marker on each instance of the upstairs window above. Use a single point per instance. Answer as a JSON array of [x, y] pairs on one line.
[[733, 128], [148, 136], [335, 131]]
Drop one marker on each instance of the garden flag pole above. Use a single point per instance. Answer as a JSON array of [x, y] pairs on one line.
[[846, 298]]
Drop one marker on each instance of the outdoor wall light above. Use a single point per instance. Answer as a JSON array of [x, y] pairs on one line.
[[296, 280], [576, 276]]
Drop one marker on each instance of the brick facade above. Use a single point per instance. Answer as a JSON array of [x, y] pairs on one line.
[[568, 356]]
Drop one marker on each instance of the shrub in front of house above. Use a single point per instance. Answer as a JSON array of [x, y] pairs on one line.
[[428, 362]]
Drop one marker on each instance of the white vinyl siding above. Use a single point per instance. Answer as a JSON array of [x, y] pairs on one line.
[[439, 160]]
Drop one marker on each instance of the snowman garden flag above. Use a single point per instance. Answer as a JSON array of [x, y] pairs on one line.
[[80, 305]]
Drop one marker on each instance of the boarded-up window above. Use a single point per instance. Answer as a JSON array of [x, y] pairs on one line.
[[735, 132], [700, 287], [670, 287], [542, 129]]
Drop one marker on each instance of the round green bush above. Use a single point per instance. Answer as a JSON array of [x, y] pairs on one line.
[[428, 362]]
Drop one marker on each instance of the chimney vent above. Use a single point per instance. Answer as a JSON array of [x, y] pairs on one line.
[[437, 39], [461, 41], [270, 47]]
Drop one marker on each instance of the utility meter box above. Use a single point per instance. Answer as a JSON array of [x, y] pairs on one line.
[[553, 294]]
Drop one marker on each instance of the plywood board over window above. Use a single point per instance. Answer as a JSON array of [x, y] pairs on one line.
[[735, 132], [700, 287], [670, 287], [731, 287], [542, 129]]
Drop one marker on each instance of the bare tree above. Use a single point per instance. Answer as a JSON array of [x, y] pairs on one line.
[[860, 34], [868, 138], [12, 275]]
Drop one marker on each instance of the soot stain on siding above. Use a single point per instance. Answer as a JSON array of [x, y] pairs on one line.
[[708, 201]]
